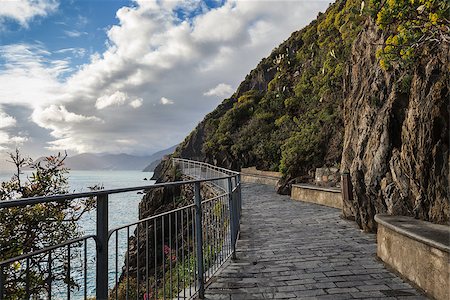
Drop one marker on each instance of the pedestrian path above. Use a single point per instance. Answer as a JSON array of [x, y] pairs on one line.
[[290, 249]]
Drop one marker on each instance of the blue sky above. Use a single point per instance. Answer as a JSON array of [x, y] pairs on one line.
[[73, 26], [127, 76]]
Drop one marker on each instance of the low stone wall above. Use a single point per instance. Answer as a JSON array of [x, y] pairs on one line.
[[331, 197], [418, 250], [252, 175]]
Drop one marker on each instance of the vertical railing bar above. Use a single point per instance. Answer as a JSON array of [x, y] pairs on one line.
[[147, 290], [225, 224], [2, 282], [182, 251], [137, 262], [163, 258], [27, 278], [155, 253], [177, 255], [207, 227], [232, 221], [170, 255], [193, 237], [188, 252], [220, 226], [198, 218], [68, 272], [117, 264], [49, 292], [85, 269], [216, 235], [128, 263], [102, 248]]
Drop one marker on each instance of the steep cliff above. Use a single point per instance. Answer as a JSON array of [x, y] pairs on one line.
[[396, 143], [337, 93], [287, 114], [327, 96]]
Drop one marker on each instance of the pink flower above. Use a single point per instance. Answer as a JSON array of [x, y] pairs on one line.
[[167, 250]]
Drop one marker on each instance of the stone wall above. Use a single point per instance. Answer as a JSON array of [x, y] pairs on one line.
[[331, 197], [252, 175], [418, 250]]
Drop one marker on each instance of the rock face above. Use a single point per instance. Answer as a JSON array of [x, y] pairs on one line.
[[396, 142]]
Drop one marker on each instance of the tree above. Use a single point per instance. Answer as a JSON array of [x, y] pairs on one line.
[[27, 229]]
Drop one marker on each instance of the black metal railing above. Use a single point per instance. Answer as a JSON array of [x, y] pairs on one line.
[[168, 255]]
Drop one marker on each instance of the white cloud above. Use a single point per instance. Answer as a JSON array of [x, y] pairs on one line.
[[117, 99], [74, 33], [152, 52], [29, 76], [136, 103], [7, 142], [77, 52], [6, 120], [22, 11], [220, 90], [18, 140], [166, 101], [59, 114]]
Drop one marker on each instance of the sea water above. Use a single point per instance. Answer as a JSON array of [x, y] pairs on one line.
[[122, 210]]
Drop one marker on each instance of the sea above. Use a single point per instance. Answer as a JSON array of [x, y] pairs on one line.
[[123, 210]]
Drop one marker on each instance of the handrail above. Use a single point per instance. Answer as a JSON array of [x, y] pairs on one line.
[[63, 197], [215, 229]]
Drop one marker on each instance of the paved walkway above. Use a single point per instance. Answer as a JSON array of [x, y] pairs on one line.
[[291, 249]]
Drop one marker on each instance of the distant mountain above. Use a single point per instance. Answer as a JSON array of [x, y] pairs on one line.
[[91, 161], [156, 158]]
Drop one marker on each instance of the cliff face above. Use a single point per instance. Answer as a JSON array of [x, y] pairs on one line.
[[321, 99], [396, 143], [287, 114]]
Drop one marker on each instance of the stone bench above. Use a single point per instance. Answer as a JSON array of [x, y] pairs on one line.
[[331, 197], [418, 250]]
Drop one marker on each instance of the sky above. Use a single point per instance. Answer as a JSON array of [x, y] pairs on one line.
[[113, 76]]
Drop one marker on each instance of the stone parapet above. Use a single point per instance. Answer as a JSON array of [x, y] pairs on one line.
[[252, 175], [331, 197], [418, 250]]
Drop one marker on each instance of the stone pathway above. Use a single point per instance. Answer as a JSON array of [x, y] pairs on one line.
[[290, 249]]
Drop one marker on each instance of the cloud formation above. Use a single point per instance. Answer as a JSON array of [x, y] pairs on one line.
[[24, 11], [166, 101], [220, 90], [158, 51]]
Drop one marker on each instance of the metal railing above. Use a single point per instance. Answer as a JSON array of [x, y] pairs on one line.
[[171, 254]]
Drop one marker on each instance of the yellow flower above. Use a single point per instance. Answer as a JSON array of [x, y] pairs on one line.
[[433, 18]]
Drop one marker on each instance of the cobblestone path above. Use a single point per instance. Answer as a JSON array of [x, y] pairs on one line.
[[291, 249]]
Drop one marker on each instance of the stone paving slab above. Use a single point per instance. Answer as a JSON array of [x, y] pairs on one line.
[[290, 249]]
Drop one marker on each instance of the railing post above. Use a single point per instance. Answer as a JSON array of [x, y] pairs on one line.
[[1, 283], [347, 188], [239, 193], [102, 248], [199, 240], [232, 219]]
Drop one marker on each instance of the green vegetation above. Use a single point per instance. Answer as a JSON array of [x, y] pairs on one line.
[[26, 229], [413, 27], [287, 114], [289, 126]]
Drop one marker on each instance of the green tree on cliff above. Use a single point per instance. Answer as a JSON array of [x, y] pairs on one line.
[[27, 229], [413, 27]]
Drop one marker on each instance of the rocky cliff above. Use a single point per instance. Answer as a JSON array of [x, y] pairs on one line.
[[322, 99], [396, 142]]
